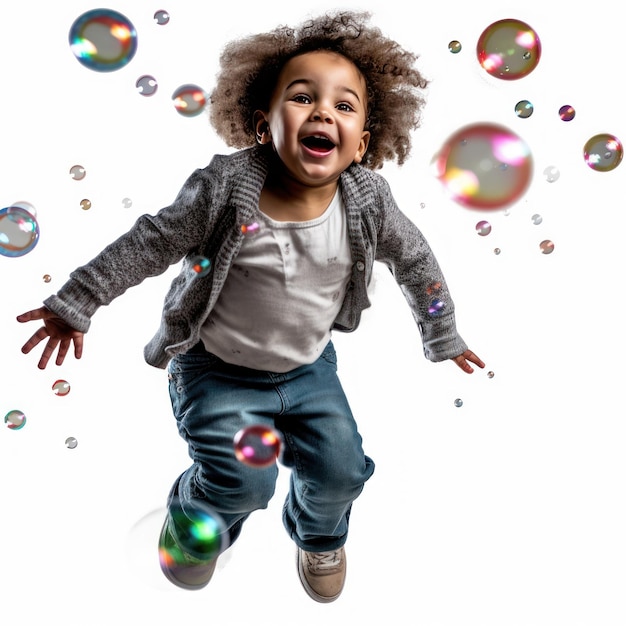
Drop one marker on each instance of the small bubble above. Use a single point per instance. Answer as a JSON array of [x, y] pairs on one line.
[[250, 230], [189, 100], [77, 172], [127, 203], [146, 85], [490, 374], [483, 228], [15, 419], [551, 174], [47, 278], [436, 308], [161, 17], [536, 219], [455, 46], [497, 250], [458, 402], [61, 387], [257, 446], [85, 204], [603, 152], [567, 113], [433, 288], [524, 109], [546, 246], [201, 265], [71, 442]]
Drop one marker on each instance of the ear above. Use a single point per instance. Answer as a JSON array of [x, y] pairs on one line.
[[261, 127], [362, 149]]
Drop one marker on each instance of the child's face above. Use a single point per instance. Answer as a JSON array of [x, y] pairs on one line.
[[317, 117]]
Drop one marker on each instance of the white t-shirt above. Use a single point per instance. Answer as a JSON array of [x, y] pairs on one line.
[[283, 292]]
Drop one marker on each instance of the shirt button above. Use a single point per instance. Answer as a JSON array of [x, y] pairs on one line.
[[360, 266]]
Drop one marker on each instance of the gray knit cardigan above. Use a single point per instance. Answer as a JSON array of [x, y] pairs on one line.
[[205, 219]]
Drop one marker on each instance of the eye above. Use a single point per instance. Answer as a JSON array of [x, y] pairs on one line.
[[344, 106], [301, 98]]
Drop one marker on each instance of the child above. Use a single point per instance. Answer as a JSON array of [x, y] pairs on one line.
[[249, 341]]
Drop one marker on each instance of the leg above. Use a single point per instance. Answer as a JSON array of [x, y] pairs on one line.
[[324, 451], [212, 401]]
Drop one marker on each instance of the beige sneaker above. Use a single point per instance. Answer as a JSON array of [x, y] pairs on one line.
[[322, 574]]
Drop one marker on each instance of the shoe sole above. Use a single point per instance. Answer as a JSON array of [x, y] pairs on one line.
[[305, 583]]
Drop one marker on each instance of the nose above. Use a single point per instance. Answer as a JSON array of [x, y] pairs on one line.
[[321, 115]]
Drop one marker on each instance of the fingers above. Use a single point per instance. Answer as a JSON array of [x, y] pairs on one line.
[[35, 314], [78, 346], [47, 353], [462, 361], [38, 337], [470, 356]]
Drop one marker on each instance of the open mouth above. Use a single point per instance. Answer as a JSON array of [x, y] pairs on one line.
[[318, 143]]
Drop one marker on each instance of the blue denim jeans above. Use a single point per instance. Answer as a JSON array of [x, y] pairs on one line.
[[213, 400]]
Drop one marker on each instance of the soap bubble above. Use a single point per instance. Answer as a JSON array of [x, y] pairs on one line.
[[71, 442], [77, 172], [546, 246], [161, 17], [436, 307], [146, 85], [508, 49], [19, 231], [524, 109], [484, 166], [483, 228], [103, 40], [15, 419], [551, 173], [567, 113], [200, 265], [199, 531], [85, 204], [250, 230], [603, 152], [61, 387], [189, 100], [257, 446], [458, 403], [454, 46]]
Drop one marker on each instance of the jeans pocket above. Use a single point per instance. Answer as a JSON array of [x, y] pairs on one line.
[[329, 355], [184, 372]]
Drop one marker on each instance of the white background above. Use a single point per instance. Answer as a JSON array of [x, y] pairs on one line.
[[506, 511]]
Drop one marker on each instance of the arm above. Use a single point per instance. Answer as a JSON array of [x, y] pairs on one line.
[[147, 249], [404, 249]]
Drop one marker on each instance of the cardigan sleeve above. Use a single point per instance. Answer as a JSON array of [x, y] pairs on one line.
[[148, 248], [406, 252]]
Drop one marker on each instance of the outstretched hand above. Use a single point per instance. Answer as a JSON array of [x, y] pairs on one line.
[[462, 361], [58, 332]]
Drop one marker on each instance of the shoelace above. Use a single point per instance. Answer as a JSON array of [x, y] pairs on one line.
[[322, 561]]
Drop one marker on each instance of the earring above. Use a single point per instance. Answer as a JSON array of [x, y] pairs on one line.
[[263, 129]]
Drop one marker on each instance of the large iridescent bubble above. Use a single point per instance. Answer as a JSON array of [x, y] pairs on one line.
[[19, 231], [508, 49], [103, 40], [484, 166]]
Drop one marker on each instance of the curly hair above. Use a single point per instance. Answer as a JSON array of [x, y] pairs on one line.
[[250, 67]]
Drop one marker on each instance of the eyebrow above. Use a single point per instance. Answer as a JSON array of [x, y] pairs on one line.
[[306, 81]]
